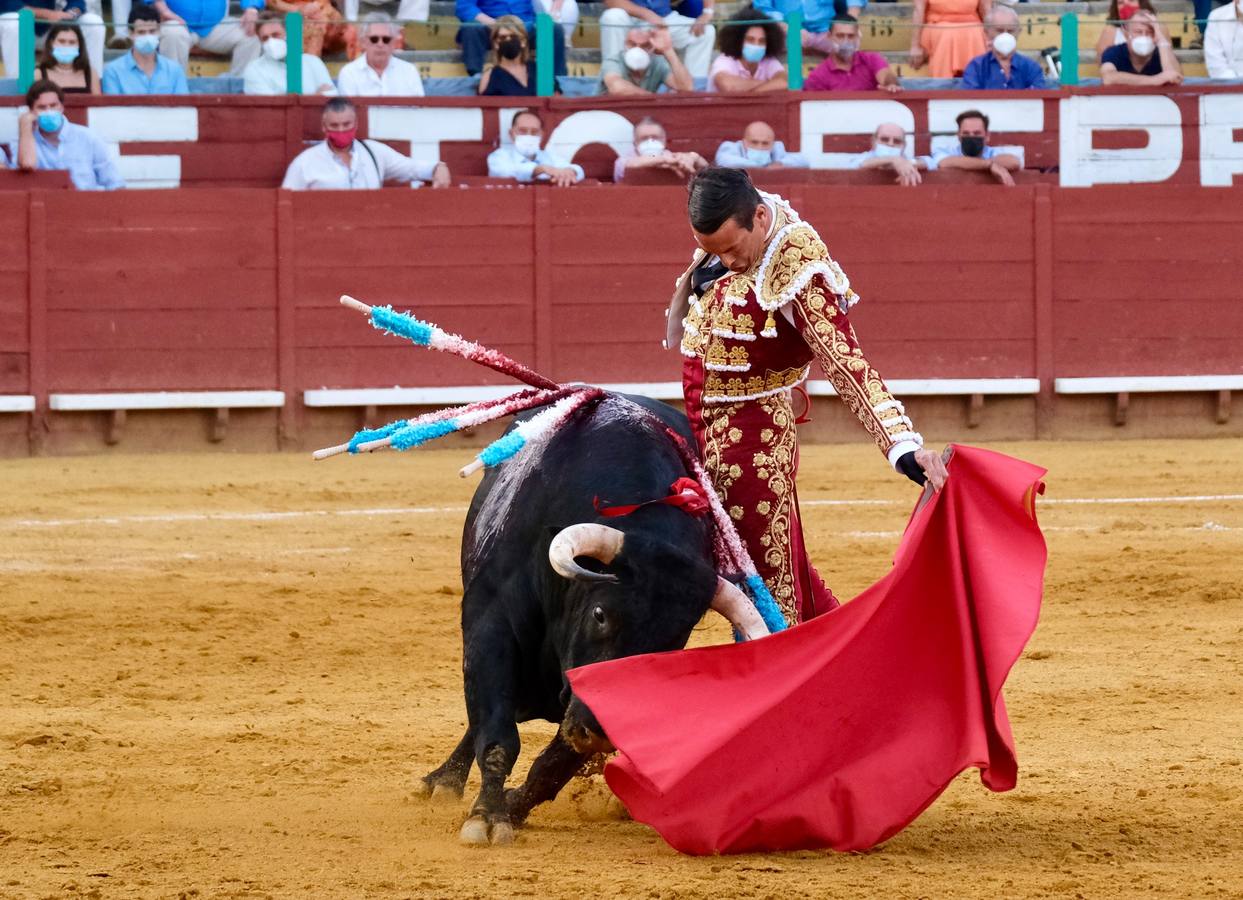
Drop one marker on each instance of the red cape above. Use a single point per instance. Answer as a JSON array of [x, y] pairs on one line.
[[840, 731]]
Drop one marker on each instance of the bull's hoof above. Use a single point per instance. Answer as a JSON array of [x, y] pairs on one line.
[[502, 834], [474, 831], [432, 788], [441, 793]]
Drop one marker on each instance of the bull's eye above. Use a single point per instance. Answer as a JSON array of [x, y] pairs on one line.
[[598, 615]]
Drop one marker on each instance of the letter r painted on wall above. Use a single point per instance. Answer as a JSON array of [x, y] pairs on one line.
[[1083, 165]]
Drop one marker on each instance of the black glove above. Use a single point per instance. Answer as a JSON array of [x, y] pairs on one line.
[[908, 467]]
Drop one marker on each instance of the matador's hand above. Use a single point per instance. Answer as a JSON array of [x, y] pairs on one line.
[[934, 467]]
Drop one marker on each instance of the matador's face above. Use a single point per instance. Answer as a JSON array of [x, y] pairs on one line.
[[737, 247]]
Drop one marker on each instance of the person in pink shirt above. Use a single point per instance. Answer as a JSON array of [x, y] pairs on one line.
[[847, 68], [751, 49]]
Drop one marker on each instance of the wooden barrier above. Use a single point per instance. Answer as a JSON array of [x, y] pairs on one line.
[[236, 290]]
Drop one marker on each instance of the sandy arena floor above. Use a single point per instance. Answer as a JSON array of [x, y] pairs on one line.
[[221, 676]]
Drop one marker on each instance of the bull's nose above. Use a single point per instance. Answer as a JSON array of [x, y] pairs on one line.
[[583, 739]]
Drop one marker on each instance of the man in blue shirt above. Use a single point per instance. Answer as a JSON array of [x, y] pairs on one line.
[[1001, 68], [972, 152], [475, 35], [818, 16], [202, 23], [46, 141], [143, 70], [46, 13]]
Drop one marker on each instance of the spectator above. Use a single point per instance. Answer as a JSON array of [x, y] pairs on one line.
[[1001, 68], [266, 76], [475, 38], [847, 68], [947, 34], [342, 162], [1146, 58], [204, 24], [401, 10], [63, 62], [1119, 12], [750, 57], [143, 70], [889, 152], [323, 26], [648, 62], [1223, 41], [524, 161], [650, 151], [377, 73], [46, 141], [694, 38], [818, 16], [512, 73], [47, 13], [759, 149], [563, 12], [972, 152]]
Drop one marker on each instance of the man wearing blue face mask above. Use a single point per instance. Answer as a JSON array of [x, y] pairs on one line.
[[889, 152], [143, 71], [759, 149], [46, 142]]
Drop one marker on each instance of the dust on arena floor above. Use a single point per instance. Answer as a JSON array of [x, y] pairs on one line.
[[223, 675]]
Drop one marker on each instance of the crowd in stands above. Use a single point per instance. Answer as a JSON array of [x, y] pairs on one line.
[[647, 47]]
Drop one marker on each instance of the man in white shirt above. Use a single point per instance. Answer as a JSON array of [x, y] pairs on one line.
[[523, 160], [266, 76], [377, 73], [342, 162], [1223, 41]]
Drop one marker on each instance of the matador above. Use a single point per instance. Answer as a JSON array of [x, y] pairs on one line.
[[761, 300]]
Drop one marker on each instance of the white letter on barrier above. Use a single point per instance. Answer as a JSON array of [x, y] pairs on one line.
[[1221, 157], [820, 117], [118, 125], [424, 127], [1081, 166], [596, 126]]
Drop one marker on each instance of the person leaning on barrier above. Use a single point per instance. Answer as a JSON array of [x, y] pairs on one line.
[[1001, 68], [751, 53], [522, 159], [889, 152], [647, 62], [48, 13], [143, 71], [1223, 41], [847, 68], [205, 24], [378, 73], [64, 63], [759, 149], [342, 161], [973, 154], [692, 38], [47, 142], [512, 72], [650, 150], [1147, 57], [267, 77]]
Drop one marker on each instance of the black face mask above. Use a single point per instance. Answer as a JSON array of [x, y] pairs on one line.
[[972, 146], [510, 48]]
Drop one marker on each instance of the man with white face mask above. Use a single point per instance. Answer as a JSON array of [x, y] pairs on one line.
[[647, 62], [759, 149], [266, 76], [1145, 59], [889, 152], [523, 160], [1223, 41], [651, 151], [1002, 68]]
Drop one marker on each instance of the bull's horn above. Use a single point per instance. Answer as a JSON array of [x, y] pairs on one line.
[[736, 607], [599, 542]]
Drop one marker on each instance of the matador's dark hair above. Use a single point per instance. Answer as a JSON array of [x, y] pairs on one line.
[[718, 194]]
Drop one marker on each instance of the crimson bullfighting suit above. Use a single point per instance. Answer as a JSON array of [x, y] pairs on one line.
[[747, 340]]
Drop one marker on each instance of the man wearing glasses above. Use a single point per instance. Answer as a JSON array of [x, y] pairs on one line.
[[377, 73]]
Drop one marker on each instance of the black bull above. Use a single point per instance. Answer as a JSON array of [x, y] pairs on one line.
[[524, 625]]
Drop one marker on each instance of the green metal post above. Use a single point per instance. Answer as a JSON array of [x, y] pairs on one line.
[[543, 55], [794, 49], [25, 49], [293, 55], [1070, 49]]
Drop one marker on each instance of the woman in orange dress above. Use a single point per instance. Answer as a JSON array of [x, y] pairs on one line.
[[947, 34], [323, 26]]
